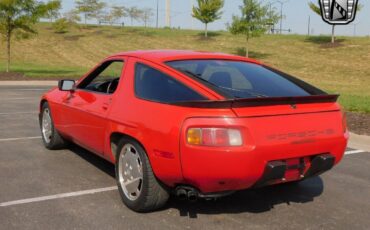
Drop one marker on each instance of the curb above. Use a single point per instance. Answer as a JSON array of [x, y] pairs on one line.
[[28, 83], [360, 142]]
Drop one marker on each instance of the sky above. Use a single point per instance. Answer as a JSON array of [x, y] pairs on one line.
[[296, 14]]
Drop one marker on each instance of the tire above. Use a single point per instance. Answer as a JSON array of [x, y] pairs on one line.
[[145, 193], [50, 136]]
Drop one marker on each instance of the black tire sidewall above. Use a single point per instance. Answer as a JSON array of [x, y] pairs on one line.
[[56, 140], [50, 144]]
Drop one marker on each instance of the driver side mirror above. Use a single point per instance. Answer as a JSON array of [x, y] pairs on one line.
[[66, 85]]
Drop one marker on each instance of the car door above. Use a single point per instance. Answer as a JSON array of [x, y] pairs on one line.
[[88, 106]]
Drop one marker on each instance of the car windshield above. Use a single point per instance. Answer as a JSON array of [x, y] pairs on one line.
[[238, 79]]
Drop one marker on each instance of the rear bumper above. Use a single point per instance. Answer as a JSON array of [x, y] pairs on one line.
[[211, 172], [294, 140]]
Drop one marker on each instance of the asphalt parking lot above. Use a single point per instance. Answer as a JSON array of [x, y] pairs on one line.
[[74, 189]]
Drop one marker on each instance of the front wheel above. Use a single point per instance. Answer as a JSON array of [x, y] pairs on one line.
[[50, 136], [137, 185]]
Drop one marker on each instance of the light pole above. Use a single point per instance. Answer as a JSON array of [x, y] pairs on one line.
[[191, 13], [272, 29], [157, 13], [354, 28], [281, 12], [168, 13]]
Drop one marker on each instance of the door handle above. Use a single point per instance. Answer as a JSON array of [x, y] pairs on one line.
[[107, 104]]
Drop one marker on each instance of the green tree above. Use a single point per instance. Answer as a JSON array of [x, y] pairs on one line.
[[69, 19], [253, 22], [133, 13], [61, 25], [18, 16], [115, 13], [72, 16], [146, 15], [52, 9], [118, 12], [90, 8], [208, 11], [316, 9], [272, 18], [98, 10], [106, 17]]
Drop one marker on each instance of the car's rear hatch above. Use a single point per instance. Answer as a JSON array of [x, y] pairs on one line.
[[291, 130], [296, 126]]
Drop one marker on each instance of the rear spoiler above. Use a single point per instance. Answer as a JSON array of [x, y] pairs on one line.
[[260, 101]]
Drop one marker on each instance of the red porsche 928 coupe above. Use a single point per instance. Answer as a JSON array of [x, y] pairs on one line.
[[195, 124]]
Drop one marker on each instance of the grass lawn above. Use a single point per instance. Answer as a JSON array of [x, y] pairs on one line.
[[344, 69]]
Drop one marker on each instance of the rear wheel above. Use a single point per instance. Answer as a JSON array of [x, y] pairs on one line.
[[137, 185], [50, 136]]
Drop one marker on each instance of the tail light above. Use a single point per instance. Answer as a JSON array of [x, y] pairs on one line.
[[214, 137]]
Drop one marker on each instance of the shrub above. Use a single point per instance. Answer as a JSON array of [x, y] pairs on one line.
[[61, 25]]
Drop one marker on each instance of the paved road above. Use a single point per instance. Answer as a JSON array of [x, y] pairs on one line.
[[339, 199]]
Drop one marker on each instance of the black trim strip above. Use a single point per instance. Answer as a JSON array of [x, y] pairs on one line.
[[285, 100], [256, 102]]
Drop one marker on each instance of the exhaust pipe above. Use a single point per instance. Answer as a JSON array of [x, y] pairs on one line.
[[184, 192], [187, 192], [192, 196], [181, 194]]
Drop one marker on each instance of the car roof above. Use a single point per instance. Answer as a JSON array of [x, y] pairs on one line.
[[174, 55]]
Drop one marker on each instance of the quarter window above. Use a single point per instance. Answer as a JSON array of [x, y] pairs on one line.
[[153, 85]]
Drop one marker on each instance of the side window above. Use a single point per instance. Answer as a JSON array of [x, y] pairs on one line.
[[153, 85], [105, 78]]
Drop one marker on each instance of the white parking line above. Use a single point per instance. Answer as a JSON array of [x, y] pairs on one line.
[[57, 196], [19, 138], [354, 152], [19, 98], [31, 89], [15, 113]]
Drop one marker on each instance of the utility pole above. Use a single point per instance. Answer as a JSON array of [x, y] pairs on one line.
[[281, 17], [191, 13], [272, 27], [157, 13], [309, 25], [354, 28], [281, 13], [168, 13]]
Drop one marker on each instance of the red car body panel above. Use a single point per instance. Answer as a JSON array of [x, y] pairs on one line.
[[265, 140], [275, 132]]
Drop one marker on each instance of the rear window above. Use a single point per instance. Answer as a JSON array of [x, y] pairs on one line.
[[237, 79], [153, 85]]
